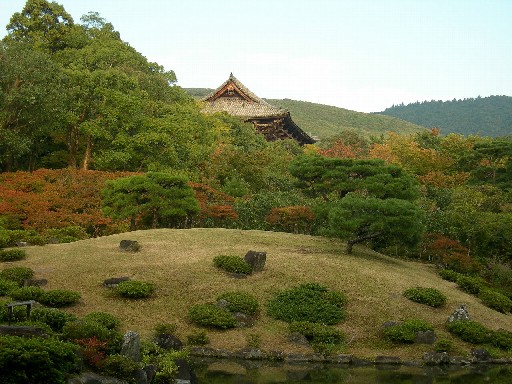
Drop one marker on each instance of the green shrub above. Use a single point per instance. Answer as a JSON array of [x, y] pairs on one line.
[[471, 285], [428, 296], [66, 234], [470, 331], [17, 274], [317, 333], [19, 313], [198, 338], [502, 339], [54, 318], [240, 302], [36, 360], [82, 330], [58, 298], [232, 264], [448, 274], [133, 289], [106, 319], [7, 286], [165, 329], [443, 345], [311, 301], [495, 300], [12, 254], [26, 293], [119, 366], [209, 315], [406, 332]]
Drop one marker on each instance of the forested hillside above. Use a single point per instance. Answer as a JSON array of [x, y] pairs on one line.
[[484, 116], [325, 121]]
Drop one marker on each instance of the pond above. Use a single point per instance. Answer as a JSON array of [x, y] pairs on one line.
[[210, 371]]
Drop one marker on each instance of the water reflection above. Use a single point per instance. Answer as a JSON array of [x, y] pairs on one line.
[[210, 371]]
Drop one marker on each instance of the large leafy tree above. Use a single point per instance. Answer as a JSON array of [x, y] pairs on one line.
[[30, 104], [364, 200]]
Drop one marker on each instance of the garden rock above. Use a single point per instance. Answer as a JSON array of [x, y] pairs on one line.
[[256, 260], [243, 320], [426, 337], [184, 375], [35, 282], [387, 360], [129, 246], [460, 313], [436, 358], [168, 342], [150, 372], [480, 354], [22, 244], [298, 338], [131, 346], [114, 281]]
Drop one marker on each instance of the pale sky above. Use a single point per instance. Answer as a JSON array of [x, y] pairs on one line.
[[363, 55]]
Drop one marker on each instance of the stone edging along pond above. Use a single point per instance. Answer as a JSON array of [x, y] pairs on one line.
[[477, 356]]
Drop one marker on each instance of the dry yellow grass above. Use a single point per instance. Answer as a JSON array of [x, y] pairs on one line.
[[179, 263]]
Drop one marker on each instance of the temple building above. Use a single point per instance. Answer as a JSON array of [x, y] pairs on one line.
[[273, 122]]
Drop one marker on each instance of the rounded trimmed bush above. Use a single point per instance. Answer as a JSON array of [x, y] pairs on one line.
[[12, 254], [26, 293], [232, 264], [119, 366], [448, 274], [407, 331], [443, 345], [108, 320], [495, 300], [471, 285], [17, 274], [198, 338], [7, 286], [36, 360], [312, 301], [470, 331], [54, 318], [429, 296], [82, 330], [317, 333], [240, 302], [58, 298], [209, 315], [502, 339], [134, 289]]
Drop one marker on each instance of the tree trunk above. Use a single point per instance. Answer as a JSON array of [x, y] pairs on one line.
[[87, 154], [133, 226], [72, 144], [360, 239]]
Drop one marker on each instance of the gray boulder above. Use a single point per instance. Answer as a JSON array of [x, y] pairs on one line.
[[460, 313], [256, 260], [131, 346], [129, 246]]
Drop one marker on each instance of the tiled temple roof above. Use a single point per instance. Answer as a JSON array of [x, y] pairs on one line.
[[237, 100]]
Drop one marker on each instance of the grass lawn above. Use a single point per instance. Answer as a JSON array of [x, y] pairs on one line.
[[179, 263]]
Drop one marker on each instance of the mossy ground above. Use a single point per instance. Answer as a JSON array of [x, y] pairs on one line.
[[179, 263]]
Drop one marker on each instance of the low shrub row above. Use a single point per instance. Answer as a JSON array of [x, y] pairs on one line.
[[12, 254], [232, 264], [429, 296], [476, 333], [406, 331]]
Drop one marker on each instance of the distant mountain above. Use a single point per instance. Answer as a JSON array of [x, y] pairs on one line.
[[323, 121], [484, 116]]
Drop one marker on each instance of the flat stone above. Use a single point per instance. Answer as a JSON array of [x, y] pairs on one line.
[[114, 281], [341, 359], [129, 246], [22, 331], [436, 358]]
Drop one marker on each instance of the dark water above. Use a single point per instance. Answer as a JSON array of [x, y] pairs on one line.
[[247, 372]]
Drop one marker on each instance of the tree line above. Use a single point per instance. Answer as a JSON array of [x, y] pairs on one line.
[[485, 116]]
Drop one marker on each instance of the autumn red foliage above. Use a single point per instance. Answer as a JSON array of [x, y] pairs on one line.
[[449, 253], [295, 219]]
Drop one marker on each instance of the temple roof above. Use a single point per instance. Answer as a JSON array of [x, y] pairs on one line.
[[236, 99]]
